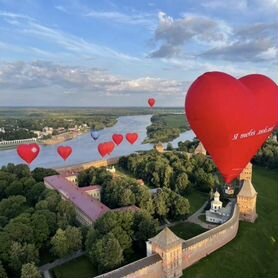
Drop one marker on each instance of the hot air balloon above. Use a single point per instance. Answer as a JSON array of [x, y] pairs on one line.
[[118, 138], [28, 152], [95, 134], [131, 137], [232, 117], [106, 148], [64, 151], [151, 102]]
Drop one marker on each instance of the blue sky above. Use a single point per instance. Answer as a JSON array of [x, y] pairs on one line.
[[119, 53]]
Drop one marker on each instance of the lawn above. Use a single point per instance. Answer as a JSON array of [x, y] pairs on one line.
[[254, 252], [196, 200], [187, 230], [80, 267]]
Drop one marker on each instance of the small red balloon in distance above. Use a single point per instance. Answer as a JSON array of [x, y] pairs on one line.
[[232, 117], [151, 102], [118, 138], [64, 151], [28, 152], [131, 137], [106, 148]]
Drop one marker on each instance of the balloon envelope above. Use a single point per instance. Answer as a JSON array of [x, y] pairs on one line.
[[151, 102], [106, 148], [95, 134], [28, 152], [232, 117], [64, 151], [131, 137]]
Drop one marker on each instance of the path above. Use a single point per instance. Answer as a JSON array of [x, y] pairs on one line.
[[45, 269], [194, 218]]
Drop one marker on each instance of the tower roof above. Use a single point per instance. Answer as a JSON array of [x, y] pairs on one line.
[[216, 194], [200, 148], [247, 190], [166, 239]]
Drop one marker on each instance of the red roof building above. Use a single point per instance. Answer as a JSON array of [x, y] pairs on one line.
[[88, 209]]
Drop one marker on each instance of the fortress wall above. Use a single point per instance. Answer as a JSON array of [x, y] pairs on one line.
[[147, 267], [87, 165], [198, 247]]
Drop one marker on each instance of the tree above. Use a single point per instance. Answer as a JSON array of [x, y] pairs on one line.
[[40, 173], [12, 206], [169, 147], [21, 254], [14, 188], [3, 273], [161, 208], [40, 228], [60, 244], [181, 183], [74, 238], [66, 214], [20, 232], [145, 226], [5, 244], [107, 253], [29, 270]]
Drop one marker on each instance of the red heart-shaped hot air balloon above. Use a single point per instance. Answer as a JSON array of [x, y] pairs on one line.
[[118, 138], [131, 137], [106, 148], [28, 152], [151, 102], [232, 117], [64, 151]]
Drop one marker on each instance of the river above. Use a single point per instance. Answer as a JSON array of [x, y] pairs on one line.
[[85, 149]]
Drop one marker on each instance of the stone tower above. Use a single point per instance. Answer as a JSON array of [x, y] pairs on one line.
[[246, 200], [200, 149], [246, 173], [159, 147], [169, 247]]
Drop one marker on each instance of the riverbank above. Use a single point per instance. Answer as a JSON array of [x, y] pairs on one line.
[[166, 127]]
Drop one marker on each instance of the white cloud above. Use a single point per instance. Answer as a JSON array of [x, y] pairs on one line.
[[47, 75], [172, 34]]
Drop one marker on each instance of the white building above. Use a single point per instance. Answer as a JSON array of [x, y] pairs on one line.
[[218, 214]]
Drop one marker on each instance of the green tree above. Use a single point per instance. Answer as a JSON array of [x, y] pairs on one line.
[[40, 228], [74, 238], [3, 273], [40, 173], [182, 183], [107, 253], [60, 244], [66, 214], [12, 206], [21, 254], [30, 270]]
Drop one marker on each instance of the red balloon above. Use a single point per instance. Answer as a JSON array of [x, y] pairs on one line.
[[28, 152], [131, 137], [232, 117], [106, 148], [64, 151], [151, 102], [118, 138]]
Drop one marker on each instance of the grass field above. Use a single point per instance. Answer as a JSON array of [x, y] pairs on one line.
[[78, 268], [187, 230], [254, 252], [196, 200]]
